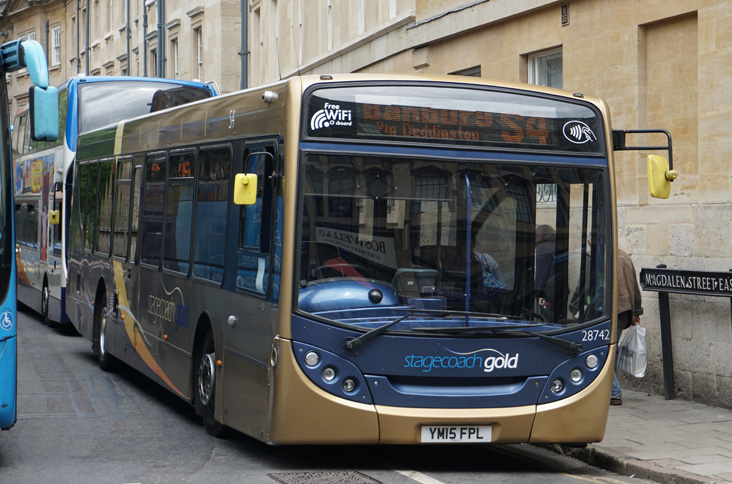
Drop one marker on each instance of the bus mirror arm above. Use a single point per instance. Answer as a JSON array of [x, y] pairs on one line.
[[660, 170]]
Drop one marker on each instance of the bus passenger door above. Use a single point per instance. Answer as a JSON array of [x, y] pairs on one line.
[[125, 250], [258, 255]]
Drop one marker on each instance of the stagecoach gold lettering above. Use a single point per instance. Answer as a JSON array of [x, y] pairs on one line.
[[490, 363], [169, 311], [160, 308], [455, 124]]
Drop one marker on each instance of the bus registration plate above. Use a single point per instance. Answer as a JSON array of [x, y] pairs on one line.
[[457, 434]]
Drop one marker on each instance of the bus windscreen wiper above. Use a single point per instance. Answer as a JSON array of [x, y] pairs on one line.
[[351, 343], [507, 330]]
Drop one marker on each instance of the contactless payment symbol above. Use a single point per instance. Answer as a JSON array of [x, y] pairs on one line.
[[6, 320]]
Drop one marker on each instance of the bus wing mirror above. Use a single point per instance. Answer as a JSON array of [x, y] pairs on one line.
[[54, 217], [44, 113], [245, 189], [660, 176]]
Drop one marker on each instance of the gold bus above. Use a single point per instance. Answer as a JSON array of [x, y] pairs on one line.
[[356, 259]]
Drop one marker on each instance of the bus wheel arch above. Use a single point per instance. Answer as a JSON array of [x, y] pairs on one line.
[[106, 361], [205, 375]]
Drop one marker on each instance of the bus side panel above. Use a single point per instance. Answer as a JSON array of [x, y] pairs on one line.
[[302, 413], [8, 381], [577, 419], [245, 394]]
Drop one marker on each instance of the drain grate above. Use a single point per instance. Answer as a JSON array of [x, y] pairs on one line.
[[337, 477]]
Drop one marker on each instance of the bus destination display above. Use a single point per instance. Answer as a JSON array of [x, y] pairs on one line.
[[488, 118]]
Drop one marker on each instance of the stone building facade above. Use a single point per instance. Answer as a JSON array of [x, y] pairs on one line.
[[659, 64]]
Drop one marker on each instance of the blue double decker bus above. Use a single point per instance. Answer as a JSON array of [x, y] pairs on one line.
[[42, 123]]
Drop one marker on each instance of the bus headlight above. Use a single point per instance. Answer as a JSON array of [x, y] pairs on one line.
[[591, 361], [575, 375], [312, 358], [329, 374], [557, 386]]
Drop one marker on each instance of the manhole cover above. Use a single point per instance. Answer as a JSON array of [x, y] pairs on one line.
[[341, 477]]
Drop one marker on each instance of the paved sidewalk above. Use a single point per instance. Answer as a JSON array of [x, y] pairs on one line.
[[668, 441]]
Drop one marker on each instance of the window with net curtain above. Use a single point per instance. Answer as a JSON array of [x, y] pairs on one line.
[[545, 68]]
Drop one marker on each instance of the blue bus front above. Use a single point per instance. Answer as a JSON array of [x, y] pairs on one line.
[[454, 265]]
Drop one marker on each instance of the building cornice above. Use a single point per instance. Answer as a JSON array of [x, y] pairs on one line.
[[477, 14], [398, 22]]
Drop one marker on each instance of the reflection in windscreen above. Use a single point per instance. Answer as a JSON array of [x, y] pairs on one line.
[[517, 240], [105, 103]]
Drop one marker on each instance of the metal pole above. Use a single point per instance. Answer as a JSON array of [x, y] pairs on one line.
[[666, 344]]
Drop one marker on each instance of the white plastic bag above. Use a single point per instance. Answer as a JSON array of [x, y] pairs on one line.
[[632, 355]]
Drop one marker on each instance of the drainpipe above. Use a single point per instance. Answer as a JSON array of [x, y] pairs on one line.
[[144, 40], [244, 54], [87, 37], [129, 35], [161, 42], [78, 36]]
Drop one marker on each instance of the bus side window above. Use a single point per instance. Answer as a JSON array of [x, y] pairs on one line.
[[179, 211], [104, 210], [92, 202], [255, 224], [78, 206], [19, 132], [152, 210], [122, 208], [212, 212], [30, 229], [135, 222]]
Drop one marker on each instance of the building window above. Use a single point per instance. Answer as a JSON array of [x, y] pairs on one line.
[[361, 17], [110, 15], [330, 24], [56, 45], [199, 54], [545, 68], [174, 50], [154, 62]]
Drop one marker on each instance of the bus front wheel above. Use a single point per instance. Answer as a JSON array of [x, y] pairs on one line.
[[45, 296], [205, 386], [106, 361]]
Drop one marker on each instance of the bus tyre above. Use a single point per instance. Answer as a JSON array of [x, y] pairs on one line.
[[106, 361], [45, 295], [204, 388]]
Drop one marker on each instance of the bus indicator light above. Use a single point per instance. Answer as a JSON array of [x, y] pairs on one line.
[[557, 386], [349, 385]]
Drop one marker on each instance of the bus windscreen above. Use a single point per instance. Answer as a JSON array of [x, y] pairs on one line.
[[130, 99]]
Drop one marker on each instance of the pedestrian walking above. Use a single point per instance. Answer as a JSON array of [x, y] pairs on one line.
[[630, 308]]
